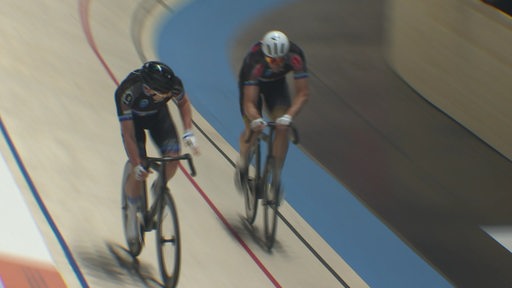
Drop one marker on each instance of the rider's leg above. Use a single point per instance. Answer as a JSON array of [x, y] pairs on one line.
[[133, 190], [245, 146], [278, 101], [242, 164], [133, 187], [170, 171], [166, 138], [280, 147], [171, 167]]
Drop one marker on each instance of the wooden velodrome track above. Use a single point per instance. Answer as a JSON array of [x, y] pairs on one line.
[[64, 62]]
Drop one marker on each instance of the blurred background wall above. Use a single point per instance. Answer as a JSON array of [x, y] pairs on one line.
[[457, 54]]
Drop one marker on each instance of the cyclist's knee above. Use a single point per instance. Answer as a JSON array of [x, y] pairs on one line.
[[171, 164]]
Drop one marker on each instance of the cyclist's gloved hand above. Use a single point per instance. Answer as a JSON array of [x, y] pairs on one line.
[[285, 120], [140, 172], [258, 124], [190, 141]]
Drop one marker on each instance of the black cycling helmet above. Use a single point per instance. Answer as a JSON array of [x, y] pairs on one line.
[[158, 76]]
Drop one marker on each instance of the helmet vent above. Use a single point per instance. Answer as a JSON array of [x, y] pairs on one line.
[[282, 50], [275, 44], [157, 76]]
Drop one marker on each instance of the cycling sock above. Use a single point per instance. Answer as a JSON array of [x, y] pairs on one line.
[[133, 200], [241, 163]]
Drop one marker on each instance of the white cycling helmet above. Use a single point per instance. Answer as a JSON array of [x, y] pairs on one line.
[[275, 44]]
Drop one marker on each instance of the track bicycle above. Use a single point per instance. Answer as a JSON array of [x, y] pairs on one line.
[[264, 182], [160, 216]]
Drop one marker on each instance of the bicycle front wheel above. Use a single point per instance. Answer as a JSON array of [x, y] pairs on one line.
[[252, 186], [271, 196], [168, 241]]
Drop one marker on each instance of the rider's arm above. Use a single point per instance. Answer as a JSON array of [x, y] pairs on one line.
[[130, 142], [124, 99], [185, 112], [301, 96], [251, 93], [186, 117]]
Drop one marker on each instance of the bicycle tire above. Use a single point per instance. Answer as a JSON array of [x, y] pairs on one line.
[[271, 202], [252, 185], [133, 247], [168, 241]]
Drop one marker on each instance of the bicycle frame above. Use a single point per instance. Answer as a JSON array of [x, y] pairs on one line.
[[266, 181], [269, 139], [270, 136], [161, 216], [158, 165]]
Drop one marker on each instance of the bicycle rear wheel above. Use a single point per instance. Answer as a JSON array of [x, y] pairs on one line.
[[134, 247], [271, 203], [168, 240], [252, 186]]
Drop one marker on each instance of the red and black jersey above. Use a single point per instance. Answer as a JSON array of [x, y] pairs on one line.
[[255, 68]]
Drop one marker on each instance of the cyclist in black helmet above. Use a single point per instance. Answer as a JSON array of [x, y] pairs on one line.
[[141, 102], [262, 82]]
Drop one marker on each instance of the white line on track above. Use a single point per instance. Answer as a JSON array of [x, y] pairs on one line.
[[20, 236]]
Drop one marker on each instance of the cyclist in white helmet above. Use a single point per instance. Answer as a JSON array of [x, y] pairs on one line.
[[262, 81]]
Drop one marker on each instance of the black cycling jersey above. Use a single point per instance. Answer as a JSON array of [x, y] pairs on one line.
[[131, 99], [133, 103], [255, 68]]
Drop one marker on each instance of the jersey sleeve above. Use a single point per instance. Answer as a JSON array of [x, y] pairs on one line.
[[298, 62], [250, 72], [252, 67], [178, 90], [124, 97]]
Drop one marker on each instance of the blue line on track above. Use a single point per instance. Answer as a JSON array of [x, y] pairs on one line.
[[43, 208], [195, 42]]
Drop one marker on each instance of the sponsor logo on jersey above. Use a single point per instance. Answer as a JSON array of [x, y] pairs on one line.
[[127, 98], [144, 103]]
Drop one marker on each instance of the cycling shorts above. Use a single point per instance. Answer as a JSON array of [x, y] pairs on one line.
[[161, 129], [274, 95]]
